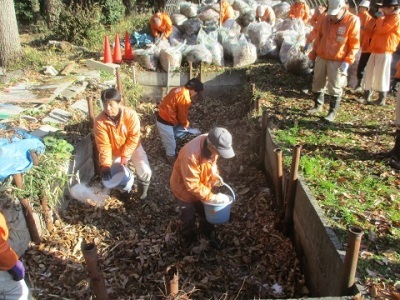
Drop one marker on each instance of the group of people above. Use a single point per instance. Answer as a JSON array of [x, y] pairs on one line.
[[195, 171], [336, 39]]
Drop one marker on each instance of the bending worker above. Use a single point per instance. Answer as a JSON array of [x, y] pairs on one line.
[[194, 175], [161, 25], [117, 136], [172, 115], [12, 270]]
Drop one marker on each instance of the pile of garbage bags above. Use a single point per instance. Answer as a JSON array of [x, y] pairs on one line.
[[198, 37]]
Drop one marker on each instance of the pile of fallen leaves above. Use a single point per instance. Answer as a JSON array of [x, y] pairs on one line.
[[138, 240]]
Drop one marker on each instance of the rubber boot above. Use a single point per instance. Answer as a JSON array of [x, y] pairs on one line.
[[143, 187], [396, 147], [334, 103], [366, 99], [381, 99], [318, 102]]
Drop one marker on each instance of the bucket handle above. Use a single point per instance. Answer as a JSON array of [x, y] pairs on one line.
[[229, 188]]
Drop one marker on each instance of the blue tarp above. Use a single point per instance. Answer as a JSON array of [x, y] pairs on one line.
[[15, 154], [141, 39]]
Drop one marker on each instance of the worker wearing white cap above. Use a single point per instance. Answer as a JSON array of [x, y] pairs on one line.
[[334, 50]]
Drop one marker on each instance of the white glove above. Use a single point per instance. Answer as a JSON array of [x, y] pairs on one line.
[[194, 131], [344, 67], [220, 198]]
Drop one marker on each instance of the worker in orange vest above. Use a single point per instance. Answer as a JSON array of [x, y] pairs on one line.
[[161, 25], [384, 41], [227, 11], [12, 270], [299, 10]]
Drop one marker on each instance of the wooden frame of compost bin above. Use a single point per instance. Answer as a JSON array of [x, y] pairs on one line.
[[318, 248]]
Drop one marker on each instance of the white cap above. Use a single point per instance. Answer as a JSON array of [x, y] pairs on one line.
[[364, 3], [335, 6]]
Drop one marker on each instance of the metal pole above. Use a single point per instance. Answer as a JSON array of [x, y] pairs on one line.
[[278, 177], [97, 283], [294, 174], [351, 260]]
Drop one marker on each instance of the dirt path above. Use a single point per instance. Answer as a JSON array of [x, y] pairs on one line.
[[137, 240]]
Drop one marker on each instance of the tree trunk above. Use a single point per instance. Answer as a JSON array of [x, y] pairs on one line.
[[10, 46], [53, 10]]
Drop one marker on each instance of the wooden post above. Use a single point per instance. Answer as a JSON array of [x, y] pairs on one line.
[[291, 195], [28, 213], [190, 70], [47, 215], [279, 178], [173, 281], [96, 163], [119, 84], [264, 129], [201, 72], [97, 283]]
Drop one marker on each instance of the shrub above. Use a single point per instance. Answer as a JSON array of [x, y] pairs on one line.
[[112, 11], [79, 25], [23, 11]]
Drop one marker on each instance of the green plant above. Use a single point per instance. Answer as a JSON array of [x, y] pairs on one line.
[[23, 11], [112, 11], [48, 179], [79, 25]]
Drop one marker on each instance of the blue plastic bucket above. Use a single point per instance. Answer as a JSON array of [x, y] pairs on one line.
[[122, 178], [217, 213]]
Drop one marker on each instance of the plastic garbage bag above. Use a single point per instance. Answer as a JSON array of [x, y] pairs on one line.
[[259, 32], [297, 62], [197, 54], [147, 58], [244, 53], [172, 55], [188, 9], [191, 26], [212, 44]]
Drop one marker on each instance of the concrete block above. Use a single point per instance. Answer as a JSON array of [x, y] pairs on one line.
[[101, 66], [160, 79], [49, 70], [81, 105], [43, 131], [83, 151], [58, 116], [10, 109]]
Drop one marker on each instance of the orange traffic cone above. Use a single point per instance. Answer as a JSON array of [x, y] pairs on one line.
[[107, 52], [128, 49], [117, 51]]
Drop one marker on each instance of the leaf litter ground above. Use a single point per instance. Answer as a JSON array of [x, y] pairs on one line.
[[137, 240]]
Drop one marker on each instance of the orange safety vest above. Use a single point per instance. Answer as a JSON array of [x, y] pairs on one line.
[[8, 258], [386, 34], [174, 108], [337, 41], [192, 177], [117, 140], [165, 27]]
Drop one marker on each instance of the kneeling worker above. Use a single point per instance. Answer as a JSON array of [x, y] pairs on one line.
[[117, 136]]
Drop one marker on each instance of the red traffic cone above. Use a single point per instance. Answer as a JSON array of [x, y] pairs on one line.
[[107, 51], [117, 51], [128, 55]]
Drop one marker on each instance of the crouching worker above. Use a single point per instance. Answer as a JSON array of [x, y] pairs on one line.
[[172, 114], [117, 136], [194, 175], [12, 270], [161, 25]]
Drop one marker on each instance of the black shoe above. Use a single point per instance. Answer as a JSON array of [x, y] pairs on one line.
[[215, 242]]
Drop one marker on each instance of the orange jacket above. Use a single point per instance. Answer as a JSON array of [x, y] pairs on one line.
[[165, 27], [192, 177], [313, 33], [364, 18], [314, 17], [227, 12], [117, 140], [386, 34], [337, 41], [366, 34], [299, 10], [174, 108], [8, 258], [269, 15]]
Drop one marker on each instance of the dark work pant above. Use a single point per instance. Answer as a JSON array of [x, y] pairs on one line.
[[361, 64], [188, 218]]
